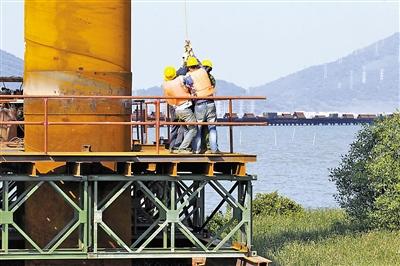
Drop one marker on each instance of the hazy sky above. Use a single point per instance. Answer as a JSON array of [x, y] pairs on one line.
[[250, 42]]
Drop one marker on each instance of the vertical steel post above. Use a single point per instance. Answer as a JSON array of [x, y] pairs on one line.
[[196, 216], [95, 214], [173, 207], [89, 213], [4, 227], [230, 128], [158, 126], [165, 230], [137, 126], [249, 206], [168, 119], [202, 205], [237, 212], [46, 125], [131, 130], [145, 126], [85, 225], [81, 230], [142, 127]]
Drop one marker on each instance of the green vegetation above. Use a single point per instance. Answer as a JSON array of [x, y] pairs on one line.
[[323, 237], [219, 220], [368, 178], [365, 232], [289, 235], [264, 204], [274, 204]]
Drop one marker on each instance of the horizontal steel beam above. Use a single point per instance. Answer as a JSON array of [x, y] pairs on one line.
[[222, 98], [135, 157], [145, 254], [126, 157], [11, 79], [71, 178]]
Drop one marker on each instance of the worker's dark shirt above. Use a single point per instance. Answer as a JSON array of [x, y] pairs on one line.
[[212, 79], [182, 71], [188, 81]]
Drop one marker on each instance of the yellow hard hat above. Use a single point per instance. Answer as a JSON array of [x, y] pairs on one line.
[[207, 63], [191, 61], [169, 73]]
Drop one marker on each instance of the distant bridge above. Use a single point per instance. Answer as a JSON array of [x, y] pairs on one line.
[[303, 121], [299, 119]]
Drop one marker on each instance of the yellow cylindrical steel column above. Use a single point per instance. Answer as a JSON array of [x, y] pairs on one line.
[[78, 47]]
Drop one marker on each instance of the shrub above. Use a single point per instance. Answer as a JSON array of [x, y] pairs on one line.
[[368, 177], [267, 204], [220, 220], [274, 204]]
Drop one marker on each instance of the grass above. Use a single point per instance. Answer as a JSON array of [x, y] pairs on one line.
[[323, 237]]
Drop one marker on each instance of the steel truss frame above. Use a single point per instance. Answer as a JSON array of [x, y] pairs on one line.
[[177, 213]]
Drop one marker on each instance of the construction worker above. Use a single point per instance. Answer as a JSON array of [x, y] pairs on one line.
[[208, 66], [205, 133], [204, 109], [177, 86], [178, 132]]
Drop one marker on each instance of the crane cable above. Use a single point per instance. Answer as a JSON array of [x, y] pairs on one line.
[[188, 45], [186, 21]]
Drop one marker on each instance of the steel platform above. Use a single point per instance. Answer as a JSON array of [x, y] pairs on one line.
[[168, 203]]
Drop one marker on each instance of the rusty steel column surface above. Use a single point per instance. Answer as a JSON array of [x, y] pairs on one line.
[[76, 47]]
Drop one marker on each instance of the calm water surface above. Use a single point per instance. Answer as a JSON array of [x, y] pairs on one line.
[[293, 160]]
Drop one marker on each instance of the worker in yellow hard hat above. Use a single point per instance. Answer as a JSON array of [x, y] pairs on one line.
[[181, 109], [204, 109], [208, 66], [169, 73], [205, 133]]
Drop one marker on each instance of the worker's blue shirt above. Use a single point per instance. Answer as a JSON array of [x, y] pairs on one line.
[[188, 81], [182, 71]]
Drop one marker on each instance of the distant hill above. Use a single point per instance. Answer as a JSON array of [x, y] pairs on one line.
[[10, 65], [224, 88], [365, 81]]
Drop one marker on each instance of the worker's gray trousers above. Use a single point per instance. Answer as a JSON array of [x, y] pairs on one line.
[[187, 115], [206, 112]]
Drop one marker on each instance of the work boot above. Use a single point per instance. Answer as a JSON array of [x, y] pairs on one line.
[[213, 152], [182, 151]]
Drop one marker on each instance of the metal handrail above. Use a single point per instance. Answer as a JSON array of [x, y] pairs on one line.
[[157, 123], [133, 97]]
